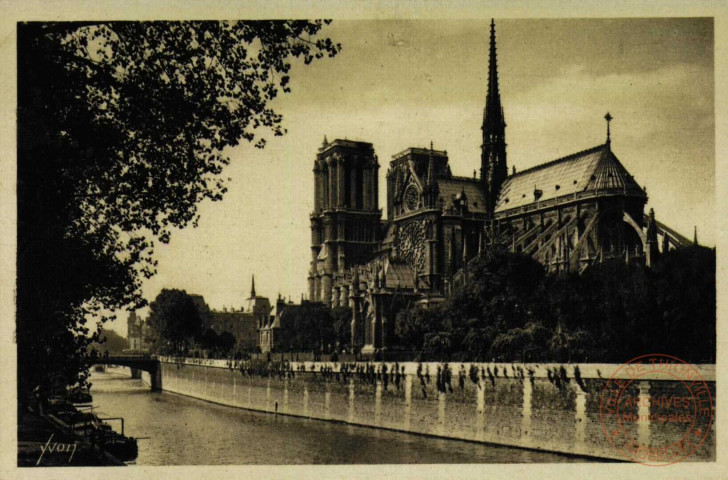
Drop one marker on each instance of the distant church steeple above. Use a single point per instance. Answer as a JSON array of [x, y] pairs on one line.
[[252, 288], [493, 167]]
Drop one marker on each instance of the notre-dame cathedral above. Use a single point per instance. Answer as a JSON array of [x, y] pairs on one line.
[[567, 213]]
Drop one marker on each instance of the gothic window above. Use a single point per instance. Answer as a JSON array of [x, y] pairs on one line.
[[412, 244], [411, 198]]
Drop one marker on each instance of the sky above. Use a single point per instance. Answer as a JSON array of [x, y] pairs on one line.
[[401, 84]]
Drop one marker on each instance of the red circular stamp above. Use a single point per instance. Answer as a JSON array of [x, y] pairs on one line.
[[656, 410]]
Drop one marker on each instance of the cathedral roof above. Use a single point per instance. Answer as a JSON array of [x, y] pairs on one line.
[[451, 187], [276, 323], [586, 172]]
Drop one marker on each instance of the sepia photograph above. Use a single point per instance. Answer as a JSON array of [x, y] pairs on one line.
[[365, 242]]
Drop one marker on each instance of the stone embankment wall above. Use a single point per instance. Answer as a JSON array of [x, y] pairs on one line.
[[547, 407]]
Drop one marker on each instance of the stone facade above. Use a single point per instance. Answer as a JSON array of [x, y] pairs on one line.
[[240, 323], [244, 323], [345, 223], [271, 332], [134, 332]]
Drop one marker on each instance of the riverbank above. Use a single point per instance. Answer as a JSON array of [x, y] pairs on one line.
[[541, 407], [183, 430]]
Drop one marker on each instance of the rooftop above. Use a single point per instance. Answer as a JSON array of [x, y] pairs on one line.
[[592, 170], [345, 143], [420, 151]]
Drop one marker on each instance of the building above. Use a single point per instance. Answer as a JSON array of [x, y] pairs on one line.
[[567, 213], [239, 323], [242, 323], [134, 332], [272, 332], [346, 222], [298, 328]]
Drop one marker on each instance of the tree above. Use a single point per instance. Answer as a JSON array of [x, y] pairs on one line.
[[121, 131], [516, 343], [226, 342], [306, 327], [209, 339], [496, 312], [110, 341], [572, 346], [175, 320], [412, 326], [685, 293], [477, 343], [502, 292], [342, 325], [437, 346]]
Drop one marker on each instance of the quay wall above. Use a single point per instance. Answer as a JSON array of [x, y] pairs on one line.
[[547, 407]]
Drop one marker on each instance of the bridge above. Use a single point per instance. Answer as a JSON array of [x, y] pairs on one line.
[[137, 364]]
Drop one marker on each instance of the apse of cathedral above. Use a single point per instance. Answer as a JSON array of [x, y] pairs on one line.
[[567, 213]]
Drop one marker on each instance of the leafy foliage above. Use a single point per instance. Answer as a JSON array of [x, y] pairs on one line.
[[110, 341], [226, 341], [342, 325], [121, 131], [208, 339], [173, 321], [411, 326], [217, 344], [511, 311], [307, 327]]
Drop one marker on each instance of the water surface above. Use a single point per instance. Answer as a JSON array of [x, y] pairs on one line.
[[187, 431]]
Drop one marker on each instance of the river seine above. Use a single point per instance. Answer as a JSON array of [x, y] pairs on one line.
[[187, 431]]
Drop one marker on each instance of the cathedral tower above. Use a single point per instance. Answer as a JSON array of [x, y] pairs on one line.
[[345, 223], [493, 167]]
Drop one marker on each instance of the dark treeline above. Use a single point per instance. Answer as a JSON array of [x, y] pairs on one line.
[[511, 310], [176, 327]]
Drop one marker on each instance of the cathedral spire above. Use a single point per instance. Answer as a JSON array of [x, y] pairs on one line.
[[493, 115], [493, 167], [252, 288], [431, 170]]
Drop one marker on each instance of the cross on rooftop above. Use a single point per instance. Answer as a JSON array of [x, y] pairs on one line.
[[608, 118]]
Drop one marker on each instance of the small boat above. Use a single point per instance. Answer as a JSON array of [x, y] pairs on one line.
[[89, 427], [122, 447]]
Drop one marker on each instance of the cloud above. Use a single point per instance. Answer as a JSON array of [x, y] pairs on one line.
[[662, 104], [663, 132]]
